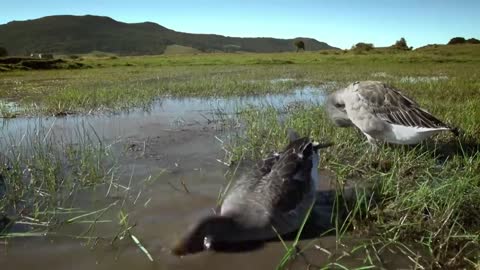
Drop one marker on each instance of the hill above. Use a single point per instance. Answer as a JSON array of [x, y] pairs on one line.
[[66, 34], [467, 50]]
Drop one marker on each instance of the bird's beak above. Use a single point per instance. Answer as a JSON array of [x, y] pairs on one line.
[[317, 145]]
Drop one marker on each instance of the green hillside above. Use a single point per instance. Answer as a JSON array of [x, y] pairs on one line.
[[67, 34]]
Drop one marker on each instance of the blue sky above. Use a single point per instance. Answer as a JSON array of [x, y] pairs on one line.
[[339, 23]]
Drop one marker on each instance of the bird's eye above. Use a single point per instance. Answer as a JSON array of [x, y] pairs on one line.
[[339, 105]]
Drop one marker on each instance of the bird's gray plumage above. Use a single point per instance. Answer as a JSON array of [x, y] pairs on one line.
[[382, 112], [272, 198]]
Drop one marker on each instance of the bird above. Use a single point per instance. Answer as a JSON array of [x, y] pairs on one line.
[[383, 114], [272, 199]]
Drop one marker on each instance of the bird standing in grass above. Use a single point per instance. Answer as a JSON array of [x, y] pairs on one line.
[[273, 198], [383, 114]]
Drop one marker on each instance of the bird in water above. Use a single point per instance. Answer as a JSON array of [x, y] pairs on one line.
[[273, 198], [383, 114]]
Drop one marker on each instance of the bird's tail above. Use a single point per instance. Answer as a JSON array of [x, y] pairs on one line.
[[455, 131]]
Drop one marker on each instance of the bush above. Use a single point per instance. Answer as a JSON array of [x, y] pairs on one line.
[[462, 40], [457, 40], [401, 44], [362, 46], [300, 45]]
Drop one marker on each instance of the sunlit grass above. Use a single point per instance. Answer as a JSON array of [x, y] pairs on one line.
[[122, 83]]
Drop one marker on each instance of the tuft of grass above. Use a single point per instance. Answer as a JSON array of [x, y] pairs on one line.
[[126, 232], [292, 250], [41, 174], [45, 180]]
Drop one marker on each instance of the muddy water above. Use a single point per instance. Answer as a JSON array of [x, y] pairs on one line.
[[166, 111], [177, 145]]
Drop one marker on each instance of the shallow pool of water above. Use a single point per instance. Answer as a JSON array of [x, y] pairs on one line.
[[175, 143], [166, 112]]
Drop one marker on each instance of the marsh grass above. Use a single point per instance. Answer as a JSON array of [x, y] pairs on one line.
[[42, 174], [116, 89], [126, 232], [123, 83], [293, 250], [47, 184]]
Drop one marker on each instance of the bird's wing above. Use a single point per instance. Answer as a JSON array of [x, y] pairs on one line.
[[290, 180], [390, 105], [264, 166]]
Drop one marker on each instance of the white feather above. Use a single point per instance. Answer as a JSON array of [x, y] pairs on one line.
[[409, 135], [358, 110]]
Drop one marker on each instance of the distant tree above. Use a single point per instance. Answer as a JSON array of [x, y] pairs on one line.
[[401, 44], [3, 52], [362, 46], [300, 45], [457, 40]]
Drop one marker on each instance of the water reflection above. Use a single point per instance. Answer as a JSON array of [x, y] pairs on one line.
[[165, 112]]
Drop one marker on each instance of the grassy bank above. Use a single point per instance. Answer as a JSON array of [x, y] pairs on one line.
[[119, 83]]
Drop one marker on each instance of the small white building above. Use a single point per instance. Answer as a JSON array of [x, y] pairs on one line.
[[42, 55]]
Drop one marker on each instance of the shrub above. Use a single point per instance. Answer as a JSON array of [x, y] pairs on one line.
[[457, 40], [362, 46], [300, 45], [401, 44]]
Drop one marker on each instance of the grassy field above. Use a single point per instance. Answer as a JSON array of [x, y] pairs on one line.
[[118, 83], [425, 199]]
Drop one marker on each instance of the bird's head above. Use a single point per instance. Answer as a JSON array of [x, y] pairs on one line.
[[335, 106]]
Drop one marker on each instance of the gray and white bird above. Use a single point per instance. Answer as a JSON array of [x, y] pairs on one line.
[[273, 198], [383, 114]]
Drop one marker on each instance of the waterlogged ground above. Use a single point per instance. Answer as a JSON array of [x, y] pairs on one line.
[[142, 146], [178, 144]]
